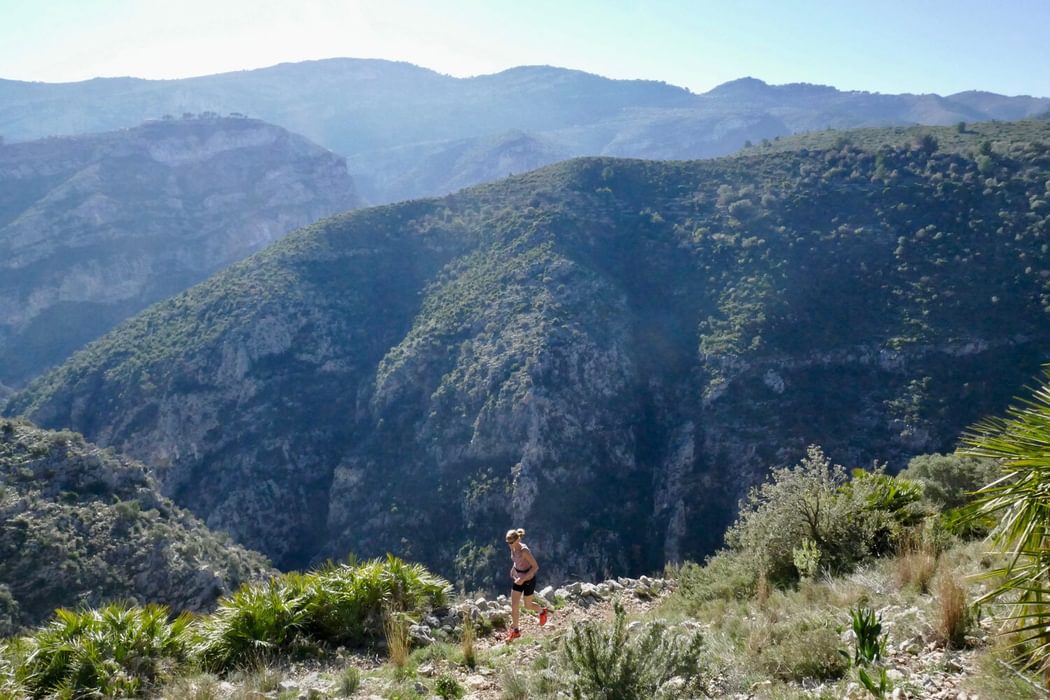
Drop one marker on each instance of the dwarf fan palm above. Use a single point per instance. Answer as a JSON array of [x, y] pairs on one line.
[[1020, 499]]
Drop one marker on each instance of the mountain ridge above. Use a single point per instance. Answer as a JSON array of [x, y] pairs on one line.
[[363, 107]]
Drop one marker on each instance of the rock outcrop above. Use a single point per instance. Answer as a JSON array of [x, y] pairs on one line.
[[95, 228]]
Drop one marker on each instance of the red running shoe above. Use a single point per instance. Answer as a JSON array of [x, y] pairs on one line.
[[543, 617], [513, 634]]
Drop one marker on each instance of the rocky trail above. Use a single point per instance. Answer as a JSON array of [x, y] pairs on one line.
[[918, 666]]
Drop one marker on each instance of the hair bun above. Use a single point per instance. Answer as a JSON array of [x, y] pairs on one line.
[[521, 532]]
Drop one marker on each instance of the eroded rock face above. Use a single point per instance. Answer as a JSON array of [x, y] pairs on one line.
[[96, 228]]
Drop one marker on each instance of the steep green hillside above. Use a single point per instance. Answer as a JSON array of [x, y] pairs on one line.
[[95, 228], [80, 526], [607, 352]]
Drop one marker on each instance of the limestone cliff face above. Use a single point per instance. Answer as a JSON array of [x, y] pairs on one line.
[[82, 526], [96, 228], [605, 352]]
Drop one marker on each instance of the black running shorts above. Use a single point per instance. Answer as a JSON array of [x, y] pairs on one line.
[[528, 588]]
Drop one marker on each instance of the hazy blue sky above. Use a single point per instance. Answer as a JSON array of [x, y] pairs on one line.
[[878, 45]]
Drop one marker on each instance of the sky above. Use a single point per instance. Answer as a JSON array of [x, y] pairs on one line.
[[888, 46]]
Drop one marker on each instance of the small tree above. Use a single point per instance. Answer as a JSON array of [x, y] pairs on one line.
[[804, 502]]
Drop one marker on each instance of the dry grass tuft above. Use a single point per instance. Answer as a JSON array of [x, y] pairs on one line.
[[395, 629], [470, 657], [916, 566], [954, 615]]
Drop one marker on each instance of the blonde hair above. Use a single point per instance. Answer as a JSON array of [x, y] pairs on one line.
[[515, 535]]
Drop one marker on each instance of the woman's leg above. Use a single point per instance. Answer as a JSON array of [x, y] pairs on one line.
[[531, 605], [515, 600]]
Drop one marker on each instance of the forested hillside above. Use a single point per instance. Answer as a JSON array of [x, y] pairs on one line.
[[81, 526], [607, 351]]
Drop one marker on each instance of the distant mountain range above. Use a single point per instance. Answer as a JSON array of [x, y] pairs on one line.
[[607, 351], [95, 228], [411, 132]]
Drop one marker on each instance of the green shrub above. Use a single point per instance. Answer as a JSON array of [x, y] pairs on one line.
[[798, 649], [346, 601], [727, 575], [798, 503], [869, 644], [813, 516], [294, 613], [607, 661], [349, 681], [448, 687], [949, 479], [254, 624], [114, 651]]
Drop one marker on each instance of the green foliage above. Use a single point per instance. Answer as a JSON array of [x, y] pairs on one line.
[[448, 687], [727, 575], [878, 688], [798, 649], [799, 503], [949, 480], [869, 645], [253, 625], [881, 492], [1021, 443], [806, 558], [114, 651], [337, 605], [349, 681], [813, 516], [604, 661]]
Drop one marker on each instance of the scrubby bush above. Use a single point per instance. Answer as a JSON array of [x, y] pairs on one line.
[[254, 624], [336, 605], [349, 681], [949, 479], [794, 650], [448, 688], [814, 515], [727, 574], [114, 651], [514, 685], [608, 661]]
